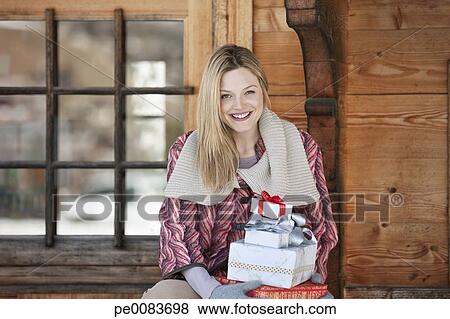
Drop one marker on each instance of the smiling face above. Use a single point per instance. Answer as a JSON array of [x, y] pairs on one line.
[[241, 100]]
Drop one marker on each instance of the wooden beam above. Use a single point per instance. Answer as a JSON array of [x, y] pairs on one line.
[[43, 289], [396, 293], [94, 10], [198, 45], [119, 126], [220, 21], [79, 249], [398, 15], [87, 274], [51, 135], [233, 23]]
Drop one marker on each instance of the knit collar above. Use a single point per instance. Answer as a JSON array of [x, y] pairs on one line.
[[282, 168]]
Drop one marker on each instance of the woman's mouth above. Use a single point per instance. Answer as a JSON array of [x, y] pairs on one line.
[[239, 117]]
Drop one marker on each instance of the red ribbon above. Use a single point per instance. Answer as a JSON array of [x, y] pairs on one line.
[[273, 199]]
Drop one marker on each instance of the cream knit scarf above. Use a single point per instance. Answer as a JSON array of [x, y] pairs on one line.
[[282, 170]]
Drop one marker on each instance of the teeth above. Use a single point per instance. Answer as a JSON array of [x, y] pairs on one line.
[[240, 116]]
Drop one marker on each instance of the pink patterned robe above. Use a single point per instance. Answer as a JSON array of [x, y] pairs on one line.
[[199, 235]]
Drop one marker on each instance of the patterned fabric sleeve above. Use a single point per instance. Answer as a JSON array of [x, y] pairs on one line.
[[319, 215], [179, 246]]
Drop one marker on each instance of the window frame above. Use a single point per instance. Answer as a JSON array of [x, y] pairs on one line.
[[88, 262]]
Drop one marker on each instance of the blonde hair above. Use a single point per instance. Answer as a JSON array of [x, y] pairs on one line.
[[217, 154]]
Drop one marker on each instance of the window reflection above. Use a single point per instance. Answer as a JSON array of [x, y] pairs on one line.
[[153, 124], [19, 38], [86, 128], [22, 197], [86, 53], [22, 127], [142, 213], [154, 41], [84, 202]]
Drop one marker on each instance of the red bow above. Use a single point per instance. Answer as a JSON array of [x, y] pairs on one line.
[[274, 199], [265, 197]]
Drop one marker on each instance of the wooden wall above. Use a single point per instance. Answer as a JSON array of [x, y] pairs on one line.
[[394, 139], [391, 63]]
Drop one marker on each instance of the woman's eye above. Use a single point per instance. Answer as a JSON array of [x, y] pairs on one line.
[[225, 96], [250, 92]]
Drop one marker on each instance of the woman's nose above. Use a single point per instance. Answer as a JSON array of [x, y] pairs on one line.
[[239, 103]]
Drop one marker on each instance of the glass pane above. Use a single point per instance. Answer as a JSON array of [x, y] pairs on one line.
[[22, 198], [86, 128], [22, 127], [85, 202], [147, 187], [154, 53], [19, 38], [86, 53], [153, 124]]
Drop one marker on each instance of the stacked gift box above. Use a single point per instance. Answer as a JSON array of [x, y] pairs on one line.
[[275, 251]]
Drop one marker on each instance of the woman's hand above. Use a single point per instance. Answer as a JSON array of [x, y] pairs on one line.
[[235, 291]]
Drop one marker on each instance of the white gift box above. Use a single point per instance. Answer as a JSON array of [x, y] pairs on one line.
[[267, 238], [279, 267], [269, 209]]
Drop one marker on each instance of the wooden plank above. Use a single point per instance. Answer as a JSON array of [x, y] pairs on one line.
[[425, 206], [277, 48], [270, 20], [80, 250], [393, 142], [73, 289], [51, 131], [398, 61], [420, 181], [408, 175], [281, 57], [285, 79], [402, 14], [401, 254], [220, 23], [267, 3], [394, 121], [244, 23], [233, 22], [94, 10], [290, 108], [29, 275], [396, 293], [198, 46]]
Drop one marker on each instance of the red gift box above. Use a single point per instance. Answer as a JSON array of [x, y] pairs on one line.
[[305, 290]]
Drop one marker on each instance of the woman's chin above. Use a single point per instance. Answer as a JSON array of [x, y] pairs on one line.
[[242, 128]]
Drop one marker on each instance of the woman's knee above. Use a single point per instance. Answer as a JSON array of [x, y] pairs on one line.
[[170, 289]]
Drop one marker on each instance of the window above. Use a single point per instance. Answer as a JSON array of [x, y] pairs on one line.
[[87, 119]]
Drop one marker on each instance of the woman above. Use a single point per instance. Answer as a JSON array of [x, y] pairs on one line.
[[240, 147]]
